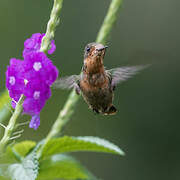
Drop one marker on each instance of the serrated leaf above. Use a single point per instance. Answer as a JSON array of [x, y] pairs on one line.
[[63, 167], [27, 170], [73, 144]]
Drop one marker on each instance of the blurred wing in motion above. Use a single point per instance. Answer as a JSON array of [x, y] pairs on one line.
[[118, 75], [67, 82]]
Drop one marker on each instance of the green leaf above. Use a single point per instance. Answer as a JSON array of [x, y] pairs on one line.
[[3, 178], [7, 157], [3, 168], [4, 98], [73, 144], [63, 167], [27, 170], [24, 147], [17, 151], [4, 101], [14, 153]]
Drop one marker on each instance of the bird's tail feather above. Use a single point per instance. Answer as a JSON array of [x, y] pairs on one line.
[[111, 111]]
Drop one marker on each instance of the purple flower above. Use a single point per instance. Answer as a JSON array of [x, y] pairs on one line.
[[32, 106], [34, 44], [14, 78], [38, 66], [32, 77], [35, 121], [37, 90], [53, 47]]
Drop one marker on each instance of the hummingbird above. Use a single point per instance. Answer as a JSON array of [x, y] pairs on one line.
[[95, 83]]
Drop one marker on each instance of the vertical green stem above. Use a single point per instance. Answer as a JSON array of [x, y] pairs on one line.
[[109, 21], [51, 26], [9, 129], [69, 107], [64, 115]]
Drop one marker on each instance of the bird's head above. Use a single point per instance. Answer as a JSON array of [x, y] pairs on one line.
[[94, 51]]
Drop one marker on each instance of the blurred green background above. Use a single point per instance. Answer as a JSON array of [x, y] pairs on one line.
[[147, 124]]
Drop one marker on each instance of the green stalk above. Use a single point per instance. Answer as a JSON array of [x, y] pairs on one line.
[[109, 21], [51, 26], [69, 107], [11, 125]]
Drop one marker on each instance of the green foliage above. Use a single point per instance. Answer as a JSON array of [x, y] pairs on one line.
[[3, 178], [17, 151], [26, 170], [11, 125], [3, 168], [24, 147], [73, 144], [63, 167], [4, 99], [53, 165], [4, 105]]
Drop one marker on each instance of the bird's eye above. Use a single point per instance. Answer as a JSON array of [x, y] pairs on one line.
[[88, 49]]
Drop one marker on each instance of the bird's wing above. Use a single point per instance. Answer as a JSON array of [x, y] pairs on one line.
[[67, 82], [120, 74]]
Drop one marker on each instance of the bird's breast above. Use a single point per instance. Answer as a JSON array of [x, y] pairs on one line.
[[97, 92], [94, 81]]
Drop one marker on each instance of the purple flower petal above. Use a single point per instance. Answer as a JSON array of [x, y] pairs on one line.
[[15, 94], [33, 44], [14, 79], [53, 47], [32, 106], [38, 65], [13, 103], [37, 90], [35, 121]]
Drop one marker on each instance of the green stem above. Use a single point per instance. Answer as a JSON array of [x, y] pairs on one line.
[[11, 125], [109, 21], [69, 107], [64, 115], [51, 26]]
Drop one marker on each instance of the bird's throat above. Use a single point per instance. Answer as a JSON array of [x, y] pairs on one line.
[[93, 65]]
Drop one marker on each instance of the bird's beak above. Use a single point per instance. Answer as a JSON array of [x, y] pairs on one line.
[[101, 47]]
